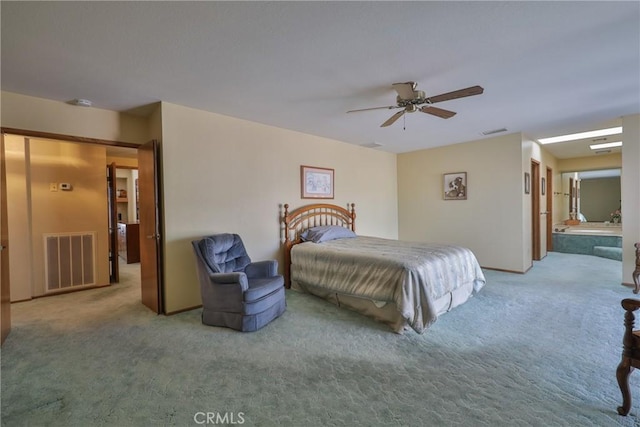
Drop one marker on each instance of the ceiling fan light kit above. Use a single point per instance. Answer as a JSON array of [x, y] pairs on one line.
[[409, 99]]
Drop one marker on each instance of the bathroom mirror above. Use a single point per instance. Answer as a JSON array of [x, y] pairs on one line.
[[595, 194]]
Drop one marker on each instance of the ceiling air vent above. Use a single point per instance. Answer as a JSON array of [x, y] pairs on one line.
[[491, 132], [372, 145], [602, 151]]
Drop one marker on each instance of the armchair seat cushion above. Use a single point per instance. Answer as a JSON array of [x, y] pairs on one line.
[[260, 288]]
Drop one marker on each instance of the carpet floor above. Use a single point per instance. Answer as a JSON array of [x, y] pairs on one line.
[[535, 349]]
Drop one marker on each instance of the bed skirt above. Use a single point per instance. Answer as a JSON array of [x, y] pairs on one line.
[[385, 312]]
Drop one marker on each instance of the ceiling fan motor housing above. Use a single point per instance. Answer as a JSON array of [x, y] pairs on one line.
[[419, 97]]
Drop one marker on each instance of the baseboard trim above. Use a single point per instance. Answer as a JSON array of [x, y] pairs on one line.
[[171, 313], [504, 270], [66, 291]]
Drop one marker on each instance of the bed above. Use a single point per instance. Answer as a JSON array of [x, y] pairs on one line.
[[402, 284]]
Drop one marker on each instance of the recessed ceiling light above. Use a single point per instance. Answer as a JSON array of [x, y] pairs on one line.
[[581, 135], [606, 145]]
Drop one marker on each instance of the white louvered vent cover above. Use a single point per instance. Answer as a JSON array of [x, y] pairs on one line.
[[69, 260]]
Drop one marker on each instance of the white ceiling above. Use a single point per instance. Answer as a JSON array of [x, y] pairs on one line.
[[546, 67]]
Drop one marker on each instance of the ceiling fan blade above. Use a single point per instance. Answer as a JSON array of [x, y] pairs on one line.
[[405, 90], [439, 112], [392, 119], [470, 91], [391, 107]]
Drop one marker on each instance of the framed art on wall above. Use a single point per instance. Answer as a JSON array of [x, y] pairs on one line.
[[455, 186], [316, 183]]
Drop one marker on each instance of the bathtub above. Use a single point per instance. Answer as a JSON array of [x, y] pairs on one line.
[[589, 239]]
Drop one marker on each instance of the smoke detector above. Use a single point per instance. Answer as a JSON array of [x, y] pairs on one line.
[[82, 102]]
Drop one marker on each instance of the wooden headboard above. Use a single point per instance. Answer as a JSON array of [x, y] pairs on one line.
[[305, 217]]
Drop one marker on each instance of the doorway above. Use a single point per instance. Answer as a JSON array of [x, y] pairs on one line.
[[123, 211], [73, 192]]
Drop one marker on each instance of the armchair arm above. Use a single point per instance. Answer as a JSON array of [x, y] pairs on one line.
[[267, 268], [230, 279]]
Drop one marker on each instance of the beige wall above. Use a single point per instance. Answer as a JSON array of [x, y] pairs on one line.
[[489, 222], [630, 193], [44, 115], [34, 210], [223, 174], [154, 124], [18, 219], [601, 161]]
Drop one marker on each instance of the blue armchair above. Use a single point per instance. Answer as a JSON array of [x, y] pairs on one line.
[[236, 293]]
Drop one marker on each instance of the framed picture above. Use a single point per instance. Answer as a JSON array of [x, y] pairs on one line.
[[455, 186], [543, 186], [316, 183], [527, 183]]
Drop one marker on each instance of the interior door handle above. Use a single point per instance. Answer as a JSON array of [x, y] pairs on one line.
[[153, 236]]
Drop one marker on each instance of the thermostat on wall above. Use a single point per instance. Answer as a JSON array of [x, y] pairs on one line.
[[65, 186]]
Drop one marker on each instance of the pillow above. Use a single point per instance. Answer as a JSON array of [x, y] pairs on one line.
[[325, 233]]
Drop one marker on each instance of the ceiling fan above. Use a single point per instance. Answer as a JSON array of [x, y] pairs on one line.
[[409, 99]]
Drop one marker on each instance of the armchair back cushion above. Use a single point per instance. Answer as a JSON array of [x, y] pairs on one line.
[[224, 253]]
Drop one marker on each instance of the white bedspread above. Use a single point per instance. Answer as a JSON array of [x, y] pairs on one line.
[[411, 274]]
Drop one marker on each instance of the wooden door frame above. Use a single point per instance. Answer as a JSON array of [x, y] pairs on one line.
[[114, 277], [549, 197], [5, 285], [536, 252]]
